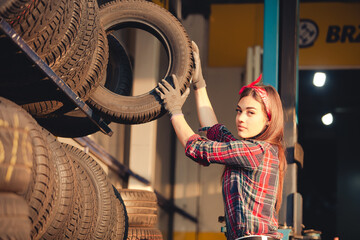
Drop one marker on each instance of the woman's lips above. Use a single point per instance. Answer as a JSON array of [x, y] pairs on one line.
[[241, 128]]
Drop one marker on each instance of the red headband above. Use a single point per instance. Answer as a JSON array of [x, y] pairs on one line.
[[262, 93]]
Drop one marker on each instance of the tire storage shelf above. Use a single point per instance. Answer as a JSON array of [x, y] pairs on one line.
[[13, 45], [64, 73]]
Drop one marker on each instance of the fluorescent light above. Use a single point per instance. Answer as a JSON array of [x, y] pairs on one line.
[[327, 119], [319, 79]]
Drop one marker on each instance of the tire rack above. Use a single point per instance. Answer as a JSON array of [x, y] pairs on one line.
[[44, 68], [120, 169]]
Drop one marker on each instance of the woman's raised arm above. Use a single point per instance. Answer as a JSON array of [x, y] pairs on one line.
[[206, 114]]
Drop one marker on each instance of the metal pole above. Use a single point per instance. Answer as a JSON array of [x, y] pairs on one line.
[[291, 210], [271, 42]]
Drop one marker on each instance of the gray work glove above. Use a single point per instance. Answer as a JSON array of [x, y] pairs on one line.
[[172, 98], [197, 77]]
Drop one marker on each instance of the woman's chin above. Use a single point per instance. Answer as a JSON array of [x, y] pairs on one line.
[[241, 134]]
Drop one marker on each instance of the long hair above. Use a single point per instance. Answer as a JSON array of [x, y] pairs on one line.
[[274, 133]]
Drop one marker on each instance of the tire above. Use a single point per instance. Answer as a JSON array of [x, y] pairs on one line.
[[122, 222], [119, 75], [48, 27], [84, 212], [62, 196], [144, 233], [73, 66], [38, 191], [11, 8], [14, 217], [16, 147], [129, 195], [104, 197], [141, 207], [162, 24], [74, 123]]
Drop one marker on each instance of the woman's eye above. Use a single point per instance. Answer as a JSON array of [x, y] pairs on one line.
[[251, 113], [238, 110]]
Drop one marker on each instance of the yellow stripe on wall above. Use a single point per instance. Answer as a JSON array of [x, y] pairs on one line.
[[233, 28], [199, 236]]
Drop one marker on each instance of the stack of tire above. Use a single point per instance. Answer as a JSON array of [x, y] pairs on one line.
[[50, 190], [141, 208], [73, 37], [68, 37], [18, 146]]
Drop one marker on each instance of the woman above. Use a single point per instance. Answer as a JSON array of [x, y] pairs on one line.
[[254, 166]]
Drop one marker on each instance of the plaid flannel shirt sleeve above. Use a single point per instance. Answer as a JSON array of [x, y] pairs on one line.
[[218, 133], [247, 154]]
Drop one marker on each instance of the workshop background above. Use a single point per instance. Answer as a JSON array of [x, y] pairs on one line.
[[324, 178]]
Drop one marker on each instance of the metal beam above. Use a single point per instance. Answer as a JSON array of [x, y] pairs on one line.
[[291, 210]]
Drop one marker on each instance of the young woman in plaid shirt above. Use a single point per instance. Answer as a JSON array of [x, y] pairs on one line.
[[254, 166]]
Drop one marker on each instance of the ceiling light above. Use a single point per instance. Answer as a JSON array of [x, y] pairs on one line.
[[319, 79], [327, 119]]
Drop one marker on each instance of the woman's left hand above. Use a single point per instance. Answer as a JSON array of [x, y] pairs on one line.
[[172, 98], [197, 78]]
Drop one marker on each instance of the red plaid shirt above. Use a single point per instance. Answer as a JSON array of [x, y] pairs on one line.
[[250, 180]]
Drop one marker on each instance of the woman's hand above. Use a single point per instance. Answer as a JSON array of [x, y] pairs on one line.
[[172, 98], [206, 114], [197, 78], [173, 101]]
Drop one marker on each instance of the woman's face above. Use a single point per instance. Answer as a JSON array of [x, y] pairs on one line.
[[250, 119]]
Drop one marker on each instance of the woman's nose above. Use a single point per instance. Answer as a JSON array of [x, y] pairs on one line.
[[240, 117]]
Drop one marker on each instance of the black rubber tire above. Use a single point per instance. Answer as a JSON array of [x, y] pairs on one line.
[[137, 233], [61, 205], [74, 123], [129, 195], [104, 198], [162, 24], [122, 222], [38, 193], [74, 65], [119, 75], [11, 8], [48, 27], [14, 217], [16, 147], [141, 207], [84, 212]]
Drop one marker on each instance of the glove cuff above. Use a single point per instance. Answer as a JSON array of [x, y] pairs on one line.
[[174, 115], [175, 112], [199, 84]]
